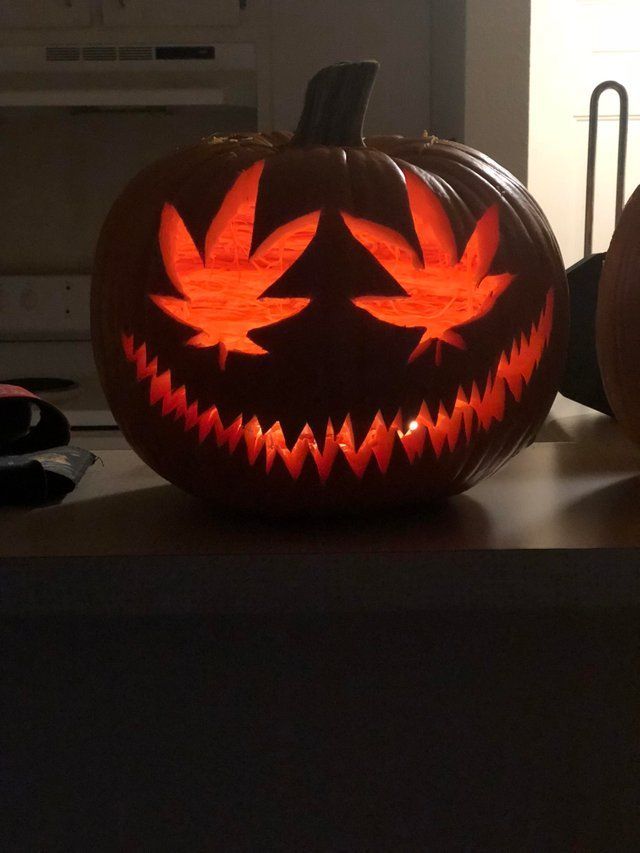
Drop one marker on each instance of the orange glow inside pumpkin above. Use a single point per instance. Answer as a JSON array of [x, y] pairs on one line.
[[220, 296], [474, 409], [444, 293]]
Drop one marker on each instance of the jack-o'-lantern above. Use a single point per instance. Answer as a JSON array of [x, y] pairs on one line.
[[311, 322], [618, 320]]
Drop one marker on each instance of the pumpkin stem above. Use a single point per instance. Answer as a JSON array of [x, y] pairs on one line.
[[335, 105]]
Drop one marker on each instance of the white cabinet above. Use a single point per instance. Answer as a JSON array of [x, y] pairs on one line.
[[151, 13], [41, 14]]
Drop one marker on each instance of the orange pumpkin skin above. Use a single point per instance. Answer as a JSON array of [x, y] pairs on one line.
[[419, 333], [618, 319]]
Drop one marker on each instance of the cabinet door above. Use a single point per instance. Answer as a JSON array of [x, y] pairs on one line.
[[151, 13], [41, 14]]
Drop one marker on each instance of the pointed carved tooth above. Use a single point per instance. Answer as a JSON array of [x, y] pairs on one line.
[[443, 418], [357, 456], [291, 425], [344, 436], [475, 400], [311, 437], [533, 332], [468, 417], [382, 441], [147, 370], [320, 440], [390, 416], [413, 441], [191, 417], [428, 413], [493, 372], [497, 401], [449, 427], [271, 450], [359, 462], [139, 358], [453, 433], [438, 430], [295, 459], [160, 386], [528, 366], [408, 443], [270, 456], [180, 412], [449, 401], [307, 436], [461, 397], [437, 436], [541, 318], [361, 428], [175, 401], [325, 457], [503, 365], [484, 411], [228, 435], [419, 440], [515, 352], [274, 444], [234, 433], [359, 459], [488, 385], [253, 439], [206, 423], [515, 382], [127, 346], [467, 389], [397, 424]]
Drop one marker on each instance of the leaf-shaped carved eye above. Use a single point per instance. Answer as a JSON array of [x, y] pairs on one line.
[[220, 298], [446, 292]]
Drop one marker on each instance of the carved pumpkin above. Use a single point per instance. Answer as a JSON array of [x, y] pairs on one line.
[[309, 322], [618, 319]]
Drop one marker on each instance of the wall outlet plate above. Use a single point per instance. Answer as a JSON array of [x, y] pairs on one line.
[[44, 308]]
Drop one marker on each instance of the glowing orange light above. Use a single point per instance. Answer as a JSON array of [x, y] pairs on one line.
[[220, 297], [474, 409], [445, 293]]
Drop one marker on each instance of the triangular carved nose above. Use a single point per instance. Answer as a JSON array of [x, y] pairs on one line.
[[334, 266]]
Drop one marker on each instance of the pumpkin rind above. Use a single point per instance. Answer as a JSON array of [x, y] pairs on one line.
[[364, 372], [618, 319]]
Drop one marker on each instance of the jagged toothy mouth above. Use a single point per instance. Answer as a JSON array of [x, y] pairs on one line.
[[473, 410]]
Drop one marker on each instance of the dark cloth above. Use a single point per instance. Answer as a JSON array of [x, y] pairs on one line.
[[36, 464]]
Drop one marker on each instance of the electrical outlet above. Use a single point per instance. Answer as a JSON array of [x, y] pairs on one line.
[[44, 307]]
